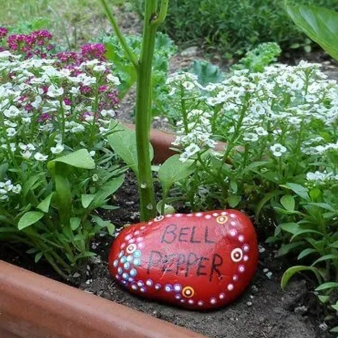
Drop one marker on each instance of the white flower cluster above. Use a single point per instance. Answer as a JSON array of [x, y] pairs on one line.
[[7, 187], [276, 108], [321, 176]]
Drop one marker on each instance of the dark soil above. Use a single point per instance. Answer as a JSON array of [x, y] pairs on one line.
[[263, 311]]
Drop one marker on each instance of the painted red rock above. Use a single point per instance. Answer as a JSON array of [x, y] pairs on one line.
[[201, 261]]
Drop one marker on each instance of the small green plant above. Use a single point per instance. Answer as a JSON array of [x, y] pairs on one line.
[[55, 170]]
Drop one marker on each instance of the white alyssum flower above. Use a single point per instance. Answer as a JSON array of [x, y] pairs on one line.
[[58, 149], [278, 150], [53, 91], [40, 157]]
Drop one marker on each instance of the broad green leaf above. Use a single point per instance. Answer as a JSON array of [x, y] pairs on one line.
[[234, 200], [107, 190], [123, 142], [335, 329], [334, 245], [78, 159], [320, 24], [206, 72], [63, 198], [38, 256], [328, 285], [286, 248], [45, 204], [295, 269], [74, 222], [291, 227], [288, 202], [86, 199], [31, 184], [174, 170], [29, 218], [264, 200], [298, 189]]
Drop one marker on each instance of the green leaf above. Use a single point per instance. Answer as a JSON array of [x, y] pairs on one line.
[[298, 189], [78, 159], [320, 24], [335, 329], [38, 256], [305, 231], [123, 142], [107, 190], [288, 202], [328, 285], [45, 204], [86, 199], [174, 170], [306, 252], [74, 222], [234, 200], [295, 269], [325, 258], [206, 72], [29, 218], [290, 227], [264, 200]]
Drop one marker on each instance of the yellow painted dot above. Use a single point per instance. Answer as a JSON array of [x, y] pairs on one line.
[[188, 292], [221, 219]]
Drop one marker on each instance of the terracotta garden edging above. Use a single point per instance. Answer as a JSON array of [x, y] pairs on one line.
[[33, 306]]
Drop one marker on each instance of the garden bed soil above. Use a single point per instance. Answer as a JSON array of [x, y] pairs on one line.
[[263, 311]]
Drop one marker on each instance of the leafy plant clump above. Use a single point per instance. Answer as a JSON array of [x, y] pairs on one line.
[[233, 27], [55, 170]]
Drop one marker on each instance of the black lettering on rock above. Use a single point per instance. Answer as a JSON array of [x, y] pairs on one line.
[[192, 238], [183, 233], [180, 263], [206, 234], [168, 262], [201, 266], [217, 261], [169, 234], [155, 260], [191, 260]]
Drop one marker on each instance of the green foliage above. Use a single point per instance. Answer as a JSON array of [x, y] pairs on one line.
[[320, 24], [257, 59], [234, 27], [164, 49]]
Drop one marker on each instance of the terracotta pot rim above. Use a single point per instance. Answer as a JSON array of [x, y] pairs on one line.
[[34, 306]]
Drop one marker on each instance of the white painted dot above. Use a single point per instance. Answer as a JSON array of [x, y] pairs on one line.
[[132, 240], [168, 215], [241, 268], [241, 238], [213, 300], [215, 214], [232, 216], [208, 216], [182, 301], [189, 215], [200, 303], [128, 237], [230, 287], [235, 278], [140, 283], [140, 245], [149, 282], [139, 239], [198, 214], [245, 258], [191, 301], [143, 289], [134, 287], [233, 223], [246, 248], [178, 215], [224, 213], [143, 227], [123, 245], [137, 232], [158, 286], [221, 296], [117, 276], [150, 223], [178, 296], [233, 232]]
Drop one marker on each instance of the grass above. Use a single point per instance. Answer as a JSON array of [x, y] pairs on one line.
[[72, 22]]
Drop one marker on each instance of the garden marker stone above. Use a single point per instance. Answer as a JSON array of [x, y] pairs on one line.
[[202, 260]]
